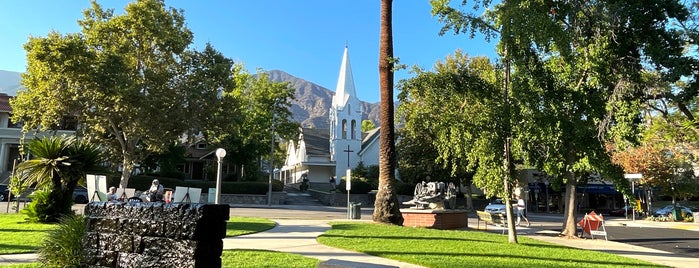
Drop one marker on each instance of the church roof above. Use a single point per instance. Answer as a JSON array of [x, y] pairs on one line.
[[317, 141], [345, 82], [369, 137]]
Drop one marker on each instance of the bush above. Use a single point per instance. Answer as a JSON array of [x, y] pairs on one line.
[[358, 187], [47, 206], [62, 246], [404, 188]]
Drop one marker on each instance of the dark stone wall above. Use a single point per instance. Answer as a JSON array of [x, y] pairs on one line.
[[154, 235]]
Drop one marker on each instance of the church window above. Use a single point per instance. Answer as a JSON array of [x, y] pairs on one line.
[[344, 128], [354, 129]]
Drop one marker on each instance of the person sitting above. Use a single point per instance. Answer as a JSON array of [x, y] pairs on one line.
[[112, 195], [156, 192]]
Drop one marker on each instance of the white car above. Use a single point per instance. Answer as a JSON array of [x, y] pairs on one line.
[[668, 209], [496, 207]]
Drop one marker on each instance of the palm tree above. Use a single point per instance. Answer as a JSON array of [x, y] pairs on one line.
[[386, 207], [57, 165]]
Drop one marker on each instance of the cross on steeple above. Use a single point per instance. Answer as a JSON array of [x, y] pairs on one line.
[[348, 151]]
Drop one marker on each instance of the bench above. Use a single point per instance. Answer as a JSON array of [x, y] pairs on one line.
[[493, 219]]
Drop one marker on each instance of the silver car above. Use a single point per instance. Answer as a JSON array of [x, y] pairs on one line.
[[496, 207]]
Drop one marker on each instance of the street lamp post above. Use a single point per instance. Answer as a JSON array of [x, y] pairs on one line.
[[547, 196], [220, 154], [271, 168]]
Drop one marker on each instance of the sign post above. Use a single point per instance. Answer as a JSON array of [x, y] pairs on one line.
[[348, 186], [633, 177]]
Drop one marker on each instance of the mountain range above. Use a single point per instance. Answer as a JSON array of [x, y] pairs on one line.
[[310, 108]]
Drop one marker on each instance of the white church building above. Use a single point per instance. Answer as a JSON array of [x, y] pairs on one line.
[[321, 154]]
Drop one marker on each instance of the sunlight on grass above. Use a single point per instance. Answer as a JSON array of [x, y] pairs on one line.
[[24, 265], [19, 236], [263, 258], [240, 226], [443, 248]]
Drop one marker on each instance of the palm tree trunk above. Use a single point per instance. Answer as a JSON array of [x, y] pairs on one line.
[[386, 206]]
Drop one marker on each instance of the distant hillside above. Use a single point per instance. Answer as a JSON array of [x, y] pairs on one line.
[[313, 102], [9, 82]]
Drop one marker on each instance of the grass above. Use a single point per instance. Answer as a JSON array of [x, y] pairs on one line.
[[240, 226], [263, 258], [439, 248], [19, 236]]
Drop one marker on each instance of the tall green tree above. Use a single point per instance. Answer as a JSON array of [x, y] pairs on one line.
[[58, 164], [576, 67], [121, 77], [264, 106], [386, 206], [457, 110]]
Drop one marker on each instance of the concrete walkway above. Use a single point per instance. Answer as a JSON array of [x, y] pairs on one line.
[[297, 230]]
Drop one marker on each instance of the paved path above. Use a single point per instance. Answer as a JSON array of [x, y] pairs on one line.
[[298, 227]]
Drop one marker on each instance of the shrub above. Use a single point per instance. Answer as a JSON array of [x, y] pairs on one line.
[[62, 246], [47, 206], [404, 188], [358, 187]]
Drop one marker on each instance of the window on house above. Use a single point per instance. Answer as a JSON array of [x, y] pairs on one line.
[[202, 145], [11, 124]]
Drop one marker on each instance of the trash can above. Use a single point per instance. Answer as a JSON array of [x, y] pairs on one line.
[[695, 215], [677, 214], [355, 211]]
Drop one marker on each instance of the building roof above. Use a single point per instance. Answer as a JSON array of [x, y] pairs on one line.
[[317, 141], [345, 82], [5, 103], [369, 137]]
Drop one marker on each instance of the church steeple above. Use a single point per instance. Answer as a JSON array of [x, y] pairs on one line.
[[345, 121], [345, 83]]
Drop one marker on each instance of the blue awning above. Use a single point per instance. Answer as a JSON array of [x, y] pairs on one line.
[[596, 189]]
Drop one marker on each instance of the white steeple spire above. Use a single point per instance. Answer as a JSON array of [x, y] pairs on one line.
[[345, 82]]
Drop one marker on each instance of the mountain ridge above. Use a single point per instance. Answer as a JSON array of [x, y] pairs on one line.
[[310, 107]]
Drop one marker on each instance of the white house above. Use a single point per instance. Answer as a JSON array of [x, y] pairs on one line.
[[325, 153], [11, 133]]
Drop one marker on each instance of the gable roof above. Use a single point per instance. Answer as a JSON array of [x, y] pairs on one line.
[[5, 103], [317, 141]]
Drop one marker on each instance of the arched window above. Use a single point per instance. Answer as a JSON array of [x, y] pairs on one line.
[[354, 129], [344, 128]]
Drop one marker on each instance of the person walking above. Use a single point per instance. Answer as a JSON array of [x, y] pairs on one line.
[[521, 211]]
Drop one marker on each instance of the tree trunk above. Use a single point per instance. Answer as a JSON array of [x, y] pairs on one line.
[[127, 168], [469, 198], [569, 220], [386, 206]]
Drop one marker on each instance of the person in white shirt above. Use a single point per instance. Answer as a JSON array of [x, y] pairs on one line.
[[521, 210]]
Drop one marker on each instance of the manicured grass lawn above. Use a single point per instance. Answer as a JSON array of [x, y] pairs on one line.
[[439, 248], [17, 236], [240, 226], [263, 258]]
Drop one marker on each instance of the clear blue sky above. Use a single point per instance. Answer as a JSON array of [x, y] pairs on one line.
[[305, 38]]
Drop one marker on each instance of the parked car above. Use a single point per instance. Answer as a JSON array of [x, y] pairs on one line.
[[4, 192], [668, 209], [496, 207], [626, 210], [80, 195]]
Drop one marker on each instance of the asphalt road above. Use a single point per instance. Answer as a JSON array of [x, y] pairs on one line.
[[681, 242]]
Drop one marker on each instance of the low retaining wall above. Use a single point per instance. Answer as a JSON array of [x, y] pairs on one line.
[[443, 219], [337, 199], [278, 198], [154, 235]]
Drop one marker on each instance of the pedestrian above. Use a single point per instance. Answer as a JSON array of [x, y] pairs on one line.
[[112, 195], [332, 183], [156, 191], [521, 210]]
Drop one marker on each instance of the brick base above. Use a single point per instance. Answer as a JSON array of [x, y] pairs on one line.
[[438, 219]]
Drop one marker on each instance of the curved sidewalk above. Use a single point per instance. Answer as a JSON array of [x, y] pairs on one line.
[[299, 237]]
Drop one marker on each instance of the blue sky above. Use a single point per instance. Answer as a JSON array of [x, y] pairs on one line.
[[305, 38]]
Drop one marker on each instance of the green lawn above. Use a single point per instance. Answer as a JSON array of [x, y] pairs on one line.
[[263, 258], [18, 236], [439, 248], [239, 226]]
